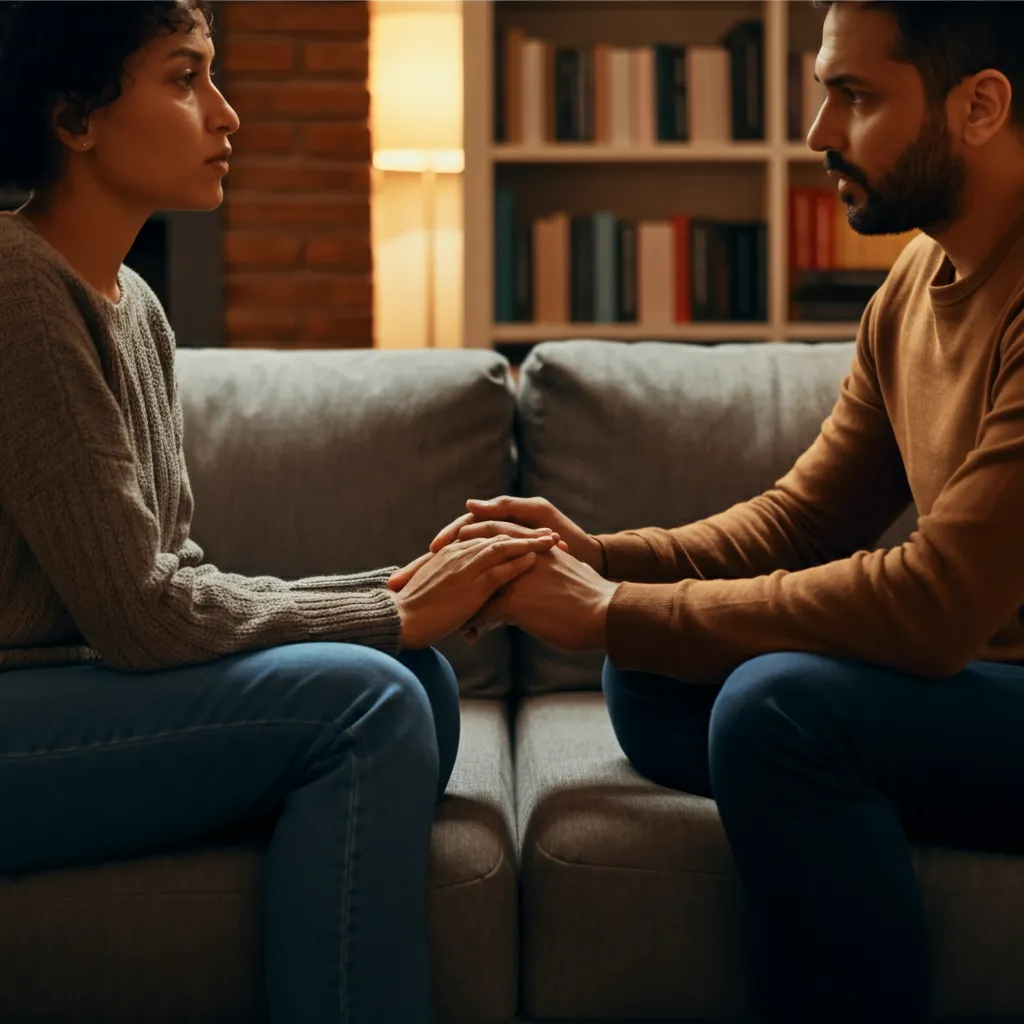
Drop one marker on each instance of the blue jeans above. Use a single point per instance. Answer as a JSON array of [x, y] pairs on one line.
[[823, 769], [344, 749]]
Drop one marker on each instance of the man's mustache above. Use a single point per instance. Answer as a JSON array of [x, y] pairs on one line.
[[834, 162]]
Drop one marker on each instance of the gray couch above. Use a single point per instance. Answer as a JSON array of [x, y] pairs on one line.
[[563, 885]]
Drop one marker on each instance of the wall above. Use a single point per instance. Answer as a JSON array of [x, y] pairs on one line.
[[296, 214]]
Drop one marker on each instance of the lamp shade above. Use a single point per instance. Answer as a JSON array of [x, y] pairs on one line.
[[416, 81]]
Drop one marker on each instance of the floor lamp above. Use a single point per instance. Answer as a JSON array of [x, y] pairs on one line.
[[416, 107], [427, 164]]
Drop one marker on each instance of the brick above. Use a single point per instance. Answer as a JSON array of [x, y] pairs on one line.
[[250, 210], [326, 330], [348, 250], [300, 99], [350, 59], [264, 137], [305, 177], [262, 325], [261, 248], [350, 139], [260, 56], [339, 17], [297, 289]]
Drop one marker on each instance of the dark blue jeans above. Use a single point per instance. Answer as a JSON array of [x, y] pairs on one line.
[[344, 749], [823, 769]]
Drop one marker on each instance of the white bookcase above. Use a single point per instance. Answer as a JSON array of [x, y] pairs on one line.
[[725, 180]]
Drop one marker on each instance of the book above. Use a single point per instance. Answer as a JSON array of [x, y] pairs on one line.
[[606, 265], [626, 299], [655, 273], [504, 255], [745, 43]]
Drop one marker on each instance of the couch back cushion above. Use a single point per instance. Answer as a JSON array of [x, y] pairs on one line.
[[314, 462], [621, 435]]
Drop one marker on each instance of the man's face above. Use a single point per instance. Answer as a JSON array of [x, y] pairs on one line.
[[889, 150]]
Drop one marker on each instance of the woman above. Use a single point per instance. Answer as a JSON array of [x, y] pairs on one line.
[[147, 698]]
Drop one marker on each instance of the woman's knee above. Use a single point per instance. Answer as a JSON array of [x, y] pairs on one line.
[[438, 680]]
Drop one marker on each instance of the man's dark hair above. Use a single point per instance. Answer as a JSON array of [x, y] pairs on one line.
[[74, 51], [950, 39]]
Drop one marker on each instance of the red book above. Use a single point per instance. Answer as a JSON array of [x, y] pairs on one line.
[[824, 229], [681, 246], [801, 228]]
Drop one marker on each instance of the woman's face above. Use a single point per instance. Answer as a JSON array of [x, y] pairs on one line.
[[151, 146]]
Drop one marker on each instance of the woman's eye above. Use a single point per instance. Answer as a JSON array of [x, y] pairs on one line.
[[190, 76]]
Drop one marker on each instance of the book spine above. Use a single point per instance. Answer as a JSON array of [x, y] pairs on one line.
[[682, 238], [504, 255], [605, 266], [700, 277], [566, 99], [582, 301], [626, 305], [524, 275], [824, 229]]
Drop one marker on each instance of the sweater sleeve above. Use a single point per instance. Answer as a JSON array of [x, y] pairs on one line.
[[70, 485], [840, 495], [924, 607]]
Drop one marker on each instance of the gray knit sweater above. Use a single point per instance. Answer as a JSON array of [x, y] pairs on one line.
[[96, 564]]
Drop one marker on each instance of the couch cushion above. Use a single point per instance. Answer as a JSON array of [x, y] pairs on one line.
[[631, 905], [176, 937], [620, 435], [307, 463]]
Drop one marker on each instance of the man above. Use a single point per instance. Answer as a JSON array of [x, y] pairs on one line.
[[868, 695]]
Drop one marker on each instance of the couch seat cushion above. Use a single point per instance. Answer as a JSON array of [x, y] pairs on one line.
[[176, 937], [631, 905]]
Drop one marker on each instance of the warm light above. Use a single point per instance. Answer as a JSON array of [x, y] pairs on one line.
[[441, 161], [416, 75]]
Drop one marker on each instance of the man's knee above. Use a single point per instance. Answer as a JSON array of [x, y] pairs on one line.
[[771, 702]]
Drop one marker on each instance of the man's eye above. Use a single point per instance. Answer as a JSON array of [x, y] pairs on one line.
[[852, 96]]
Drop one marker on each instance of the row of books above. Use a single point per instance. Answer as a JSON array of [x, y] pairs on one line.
[[599, 268], [821, 238], [625, 96]]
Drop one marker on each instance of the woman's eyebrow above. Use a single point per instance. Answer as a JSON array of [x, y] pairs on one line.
[[186, 51]]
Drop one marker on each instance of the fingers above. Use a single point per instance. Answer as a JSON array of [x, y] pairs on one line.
[[451, 531], [497, 576], [496, 550], [528, 511], [496, 528], [400, 577]]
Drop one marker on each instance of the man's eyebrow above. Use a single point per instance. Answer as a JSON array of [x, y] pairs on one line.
[[185, 51], [839, 81]]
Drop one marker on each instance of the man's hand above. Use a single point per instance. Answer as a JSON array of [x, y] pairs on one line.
[[513, 517], [559, 600], [453, 585]]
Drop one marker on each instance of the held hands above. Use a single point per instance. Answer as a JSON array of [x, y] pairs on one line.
[[446, 589], [511, 517], [561, 598]]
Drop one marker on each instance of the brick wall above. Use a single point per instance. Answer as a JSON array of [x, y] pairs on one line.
[[297, 200]]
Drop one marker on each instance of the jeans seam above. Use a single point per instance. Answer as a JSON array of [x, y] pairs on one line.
[[166, 734], [345, 936]]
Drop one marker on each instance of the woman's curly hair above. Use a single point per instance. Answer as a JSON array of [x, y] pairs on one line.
[[72, 51]]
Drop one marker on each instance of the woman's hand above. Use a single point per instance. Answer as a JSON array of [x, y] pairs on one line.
[[450, 587], [505, 514]]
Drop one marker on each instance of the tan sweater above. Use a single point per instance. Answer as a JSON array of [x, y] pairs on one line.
[[932, 410], [96, 563]]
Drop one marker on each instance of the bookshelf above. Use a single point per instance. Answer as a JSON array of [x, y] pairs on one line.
[[717, 180]]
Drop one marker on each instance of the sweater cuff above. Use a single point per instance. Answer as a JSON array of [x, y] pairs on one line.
[[373, 579], [638, 632], [627, 556], [368, 617]]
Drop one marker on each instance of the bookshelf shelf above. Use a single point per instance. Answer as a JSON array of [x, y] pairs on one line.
[[695, 332], [725, 181], [665, 152]]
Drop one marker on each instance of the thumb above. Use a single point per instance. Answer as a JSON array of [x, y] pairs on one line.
[[400, 577]]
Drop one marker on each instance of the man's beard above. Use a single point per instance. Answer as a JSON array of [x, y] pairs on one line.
[[924, 189]]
